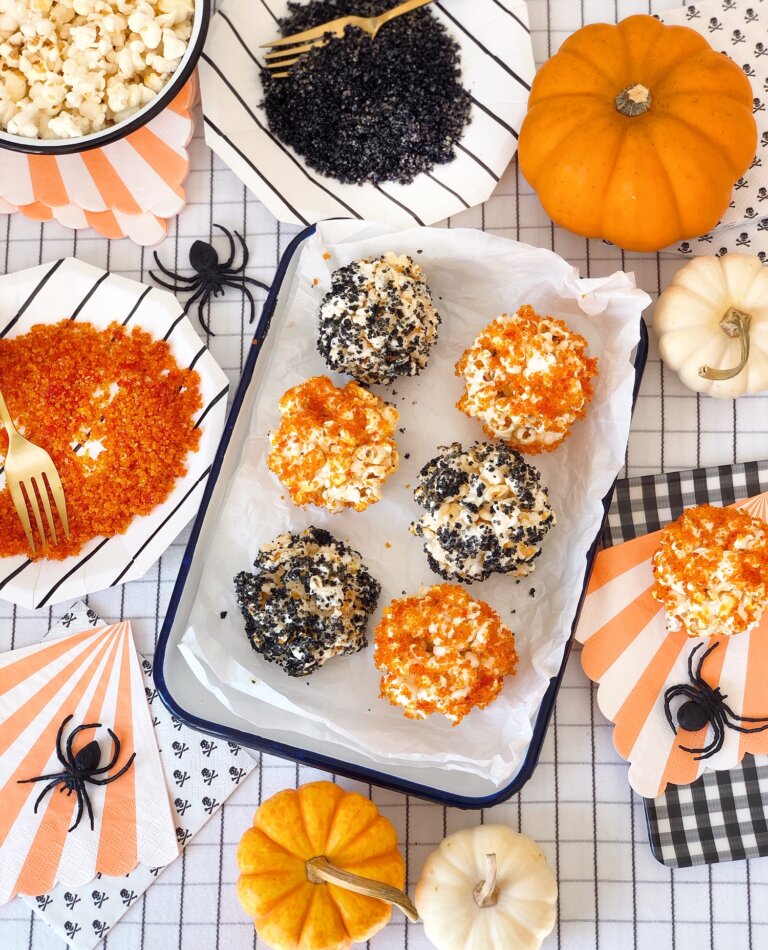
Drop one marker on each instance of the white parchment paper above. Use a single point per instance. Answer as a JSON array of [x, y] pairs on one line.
[[474, 277]]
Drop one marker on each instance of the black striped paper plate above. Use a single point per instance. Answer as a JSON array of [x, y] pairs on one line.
[[497, 69], [70, 288]]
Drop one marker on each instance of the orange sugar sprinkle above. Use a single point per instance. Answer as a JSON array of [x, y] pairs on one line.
[[554, 398], [442, 651], [326, 256], [704, 541], [325, 434], [69, 384]]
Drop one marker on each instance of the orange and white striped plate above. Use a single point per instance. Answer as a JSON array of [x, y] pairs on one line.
[[94, 677], [632, 657], [127, 189]]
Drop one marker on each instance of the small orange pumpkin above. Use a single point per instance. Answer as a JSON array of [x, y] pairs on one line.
[[318, 868], [637, 132]]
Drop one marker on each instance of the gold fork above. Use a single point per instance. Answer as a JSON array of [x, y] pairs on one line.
[[302, 43], [27, 467]]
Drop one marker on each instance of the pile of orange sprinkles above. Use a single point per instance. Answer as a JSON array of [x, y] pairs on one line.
[[115, 412]]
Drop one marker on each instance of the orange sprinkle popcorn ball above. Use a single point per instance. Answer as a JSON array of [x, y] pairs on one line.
[[527, 378], [334, 446], [711, 571], [115, 412], [442, 651]]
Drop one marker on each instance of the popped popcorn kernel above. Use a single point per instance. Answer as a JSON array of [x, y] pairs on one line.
[[69, 68]]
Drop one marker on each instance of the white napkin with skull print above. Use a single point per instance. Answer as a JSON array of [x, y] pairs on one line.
[[738, 28], [200, 773]]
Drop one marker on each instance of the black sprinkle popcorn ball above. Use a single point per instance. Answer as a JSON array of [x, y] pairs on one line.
[[485, 512], [308, 599]]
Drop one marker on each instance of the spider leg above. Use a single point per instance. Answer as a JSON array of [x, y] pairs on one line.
[[84, 791], [59, 735], [719, 738], [200, 316], [228, 264], [176, 288], [707, 750], [106, 781], [79, 813], [193, 298], [71, 739], [246, 257], [170, 273], [698, 677], [44, 791], [248, 294], [760, 719], [41, 778], [691, 655], [252, 280]]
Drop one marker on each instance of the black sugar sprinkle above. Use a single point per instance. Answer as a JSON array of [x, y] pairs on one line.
[[362, 110], [223, 615]]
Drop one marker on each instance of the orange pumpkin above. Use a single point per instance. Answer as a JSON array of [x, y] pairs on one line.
[[637, 133], [317, 869]]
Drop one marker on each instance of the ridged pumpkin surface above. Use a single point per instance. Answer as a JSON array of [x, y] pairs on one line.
[[291, 913], [648, 180]]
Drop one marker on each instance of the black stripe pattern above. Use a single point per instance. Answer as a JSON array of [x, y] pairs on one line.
[[496, 50], [73, 566]]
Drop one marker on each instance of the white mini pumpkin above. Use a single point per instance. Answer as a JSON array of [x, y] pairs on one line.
[[487, 888], [712, 325]]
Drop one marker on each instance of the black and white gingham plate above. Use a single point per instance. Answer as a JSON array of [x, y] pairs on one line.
[[722, 816]]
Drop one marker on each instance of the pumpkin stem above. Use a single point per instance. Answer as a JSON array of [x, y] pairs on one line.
[[734, 324], [634, 100], [487, 892], [321, 871]]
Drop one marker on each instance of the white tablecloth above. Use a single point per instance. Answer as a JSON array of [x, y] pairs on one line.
[[578, 805]]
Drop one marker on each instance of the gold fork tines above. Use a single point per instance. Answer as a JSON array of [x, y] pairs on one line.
[[32, 477], [299, 44]]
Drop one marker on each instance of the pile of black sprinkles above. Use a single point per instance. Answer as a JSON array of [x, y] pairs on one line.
[[361, 110], [308, 599]]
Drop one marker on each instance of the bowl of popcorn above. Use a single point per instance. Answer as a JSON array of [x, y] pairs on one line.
[[79, 74]]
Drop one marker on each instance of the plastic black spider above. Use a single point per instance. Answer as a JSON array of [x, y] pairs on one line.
[[80, 768], [706, 706], [211, 276]]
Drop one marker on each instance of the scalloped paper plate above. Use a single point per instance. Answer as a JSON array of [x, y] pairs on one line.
[[127, 189], [497, 69], [95, 678], [632, 657]]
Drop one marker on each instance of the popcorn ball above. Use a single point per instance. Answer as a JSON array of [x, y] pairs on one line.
[[308, 599], [527, 378], [334, 447], [486, 512], [377, 322], [711, 571], [73, 67], [442, 651]]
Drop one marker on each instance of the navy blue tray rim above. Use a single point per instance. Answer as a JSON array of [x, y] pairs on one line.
[[314, 759]]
